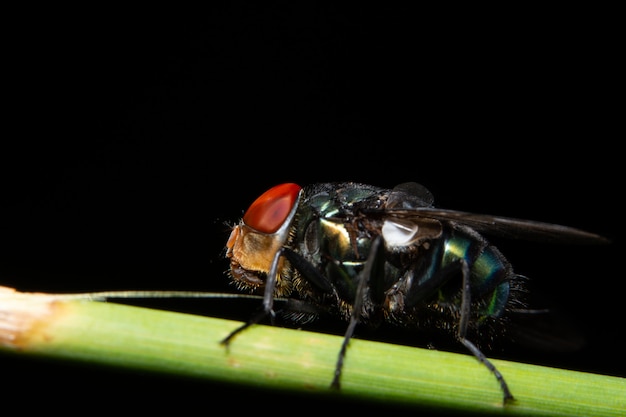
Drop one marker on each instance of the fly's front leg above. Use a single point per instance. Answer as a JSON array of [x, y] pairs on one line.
[[268, 301], [465, 313]]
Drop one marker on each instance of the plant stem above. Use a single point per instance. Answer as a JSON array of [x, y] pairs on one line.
[[292, 360]]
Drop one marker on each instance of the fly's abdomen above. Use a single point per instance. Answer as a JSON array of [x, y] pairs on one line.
[[489, 271], [491, 274]]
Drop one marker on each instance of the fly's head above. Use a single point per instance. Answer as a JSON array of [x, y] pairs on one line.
[[263, 230]]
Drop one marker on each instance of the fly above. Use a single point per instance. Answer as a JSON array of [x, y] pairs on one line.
[[368, 255]]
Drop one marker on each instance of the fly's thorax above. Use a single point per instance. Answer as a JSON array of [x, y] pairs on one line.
[[335, 233], [329, 226], [338, 251], [342, 242], [334, 239]]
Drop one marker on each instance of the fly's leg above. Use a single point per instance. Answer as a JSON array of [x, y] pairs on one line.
[[268, 301], [364, 278], [354, 320], [465, 313], [302, 265]]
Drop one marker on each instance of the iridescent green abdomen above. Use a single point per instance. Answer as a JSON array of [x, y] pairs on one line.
[[489, 270]]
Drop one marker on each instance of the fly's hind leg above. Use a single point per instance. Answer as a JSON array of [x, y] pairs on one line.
[[462, 331]]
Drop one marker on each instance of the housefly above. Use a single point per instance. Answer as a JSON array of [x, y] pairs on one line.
[[368, 255]]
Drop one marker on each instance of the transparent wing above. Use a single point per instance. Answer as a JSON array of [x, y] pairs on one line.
[[502, 226]]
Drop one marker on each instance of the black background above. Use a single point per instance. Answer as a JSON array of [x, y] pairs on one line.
[[132, 143]]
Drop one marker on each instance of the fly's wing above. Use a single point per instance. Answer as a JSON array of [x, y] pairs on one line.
[[413, 202], [502, 226]]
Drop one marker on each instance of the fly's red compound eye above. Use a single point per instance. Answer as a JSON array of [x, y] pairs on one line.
[[271, 209]]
